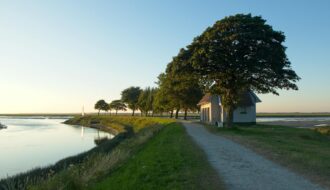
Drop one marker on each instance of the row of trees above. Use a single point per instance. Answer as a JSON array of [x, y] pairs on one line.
[[116, 105], [170, 96], [237, 54], [174, 93]]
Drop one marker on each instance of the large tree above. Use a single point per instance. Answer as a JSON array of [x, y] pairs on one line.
[[117, 105], [146, 100], [241, 53], [101, 105], [165, 98], [185, 88], [162, 102], [130, 96]]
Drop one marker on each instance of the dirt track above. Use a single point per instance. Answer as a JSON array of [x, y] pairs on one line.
[[243, 169]]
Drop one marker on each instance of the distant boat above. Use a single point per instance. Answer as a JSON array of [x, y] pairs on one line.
[[2, 126]]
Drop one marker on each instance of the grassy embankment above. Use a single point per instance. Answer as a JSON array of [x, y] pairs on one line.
[[146, 153], [305, 151], [169, 161], [125, 127]]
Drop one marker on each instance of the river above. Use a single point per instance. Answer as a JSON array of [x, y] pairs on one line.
[[31, 142]]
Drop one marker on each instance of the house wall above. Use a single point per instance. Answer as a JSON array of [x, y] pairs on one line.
[[204, 116], [242, 115], [211, 115], [245, 115], [215, 110]]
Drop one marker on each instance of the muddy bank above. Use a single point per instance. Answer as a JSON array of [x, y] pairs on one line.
[[298, 124]]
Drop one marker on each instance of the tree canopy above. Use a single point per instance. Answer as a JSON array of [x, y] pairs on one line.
[[101, 105], [117, 105], [130, 96], [241, 53], [146, 100], [181, 87]]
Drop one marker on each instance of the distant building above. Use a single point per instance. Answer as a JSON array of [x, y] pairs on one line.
[[212, 110]]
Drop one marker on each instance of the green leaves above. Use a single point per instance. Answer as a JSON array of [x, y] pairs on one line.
[[130, 96], [117, 105], [146, 100], [242, 52], [101, 105]]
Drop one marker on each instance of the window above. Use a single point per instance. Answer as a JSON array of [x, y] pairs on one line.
[[243, 110]]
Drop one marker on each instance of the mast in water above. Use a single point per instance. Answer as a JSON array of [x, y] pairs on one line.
[[83, 111]]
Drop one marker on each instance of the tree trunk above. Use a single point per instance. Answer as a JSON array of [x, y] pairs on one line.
[[185, 114], [116, 112], [177, 113], [171, 116], [133, 112], [229, 116], [98, 112], [146, 113]]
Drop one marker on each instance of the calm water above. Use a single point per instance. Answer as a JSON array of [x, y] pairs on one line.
[[267, 119], [29, 142]]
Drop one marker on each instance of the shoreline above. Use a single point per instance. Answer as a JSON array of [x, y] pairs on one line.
[[126, 128], [44, 172]]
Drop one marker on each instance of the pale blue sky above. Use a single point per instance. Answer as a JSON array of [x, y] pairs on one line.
[[56, 56]]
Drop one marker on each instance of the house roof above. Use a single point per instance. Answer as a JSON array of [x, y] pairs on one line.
[[247, 99], [206, 99]]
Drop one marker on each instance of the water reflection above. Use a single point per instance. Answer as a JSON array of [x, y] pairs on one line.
[[100, 138], [32, 142], [82, 132]]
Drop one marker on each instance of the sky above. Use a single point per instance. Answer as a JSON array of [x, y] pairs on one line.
[[57, 56]]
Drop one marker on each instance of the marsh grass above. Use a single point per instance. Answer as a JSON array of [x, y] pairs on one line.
[[325, 130]]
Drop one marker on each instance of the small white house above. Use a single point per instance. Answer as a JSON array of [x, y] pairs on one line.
[[211, 110]]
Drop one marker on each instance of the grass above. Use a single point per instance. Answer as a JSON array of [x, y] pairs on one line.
[[325, 130], [171, 160], [305, 151], [117, 124]]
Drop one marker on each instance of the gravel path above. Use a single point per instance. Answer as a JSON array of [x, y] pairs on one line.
[[241, 168]]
